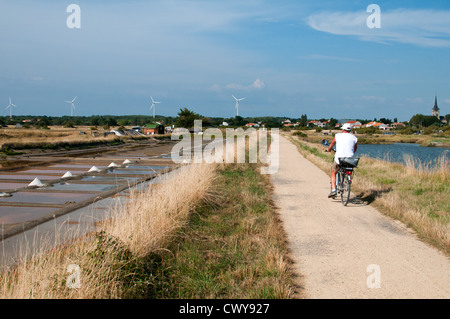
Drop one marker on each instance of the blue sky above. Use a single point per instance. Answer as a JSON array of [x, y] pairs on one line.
[[286, 57]]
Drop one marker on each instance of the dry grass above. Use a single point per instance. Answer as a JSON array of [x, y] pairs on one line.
[[18, 138], [160, 211], [142, 225], [418, 194]]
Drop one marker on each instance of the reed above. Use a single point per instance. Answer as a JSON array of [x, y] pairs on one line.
[[147, 222]]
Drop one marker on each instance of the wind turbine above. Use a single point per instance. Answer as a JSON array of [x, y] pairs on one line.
[[10, 107], [237, 104], [153, 106], [72, 105]]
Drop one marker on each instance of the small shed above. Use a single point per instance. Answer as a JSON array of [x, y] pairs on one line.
[[153, 128]]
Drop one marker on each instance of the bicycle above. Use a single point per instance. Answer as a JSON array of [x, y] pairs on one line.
[[344, 177]]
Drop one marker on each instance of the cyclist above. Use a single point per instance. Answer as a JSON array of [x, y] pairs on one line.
[[346, 145]]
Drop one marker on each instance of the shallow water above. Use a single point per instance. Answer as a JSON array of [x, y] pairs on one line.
[[111, 179], [82, 187], [397, 152], [132, 172], [4, 186], [156, 167], [50, 171], [13, 214], [28, 177], [88, 166], [44, 197]]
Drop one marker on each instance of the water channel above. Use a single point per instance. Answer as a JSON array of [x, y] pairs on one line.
[[397, 152], [70, 205]]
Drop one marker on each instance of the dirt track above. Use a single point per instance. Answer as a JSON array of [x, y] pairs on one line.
[[344, 252]]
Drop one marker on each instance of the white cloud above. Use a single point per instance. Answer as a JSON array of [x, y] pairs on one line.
[[215, 88], [429, 28], [258, 84]]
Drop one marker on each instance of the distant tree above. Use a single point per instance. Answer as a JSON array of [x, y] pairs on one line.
[[112, 122], [424, 120], [123, 122], [95, 121], [332, 123], [272, 122], [239, 121], [186, 118], [206, 121], [385, 121], [69, 124], [43, 123], [303, 120]]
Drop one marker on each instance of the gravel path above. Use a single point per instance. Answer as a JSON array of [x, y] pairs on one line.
[[353, 251]]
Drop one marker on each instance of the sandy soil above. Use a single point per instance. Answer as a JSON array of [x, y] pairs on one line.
[[354, 251]]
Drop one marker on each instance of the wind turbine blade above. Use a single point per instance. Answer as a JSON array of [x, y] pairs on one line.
[[74, 99]]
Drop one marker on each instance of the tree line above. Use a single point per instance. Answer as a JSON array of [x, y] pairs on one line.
[[185, 118]]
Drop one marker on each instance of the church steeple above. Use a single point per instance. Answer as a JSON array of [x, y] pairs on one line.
[[435, 110]]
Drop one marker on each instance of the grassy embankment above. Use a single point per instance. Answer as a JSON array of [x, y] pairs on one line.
[[207, 232], [418, 194], [234, 246]]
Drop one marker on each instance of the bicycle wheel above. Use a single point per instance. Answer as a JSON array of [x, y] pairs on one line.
[[345, 189]]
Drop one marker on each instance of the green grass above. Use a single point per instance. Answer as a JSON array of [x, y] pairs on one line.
[[233, 247]]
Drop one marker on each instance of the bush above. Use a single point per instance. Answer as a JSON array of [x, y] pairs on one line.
[[298, 133], [69, 124], [407, 131]]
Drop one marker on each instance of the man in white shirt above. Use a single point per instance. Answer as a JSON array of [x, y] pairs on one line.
[[346, 145]]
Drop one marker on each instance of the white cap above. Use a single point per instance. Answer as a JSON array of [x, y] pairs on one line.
[[347, 127]]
